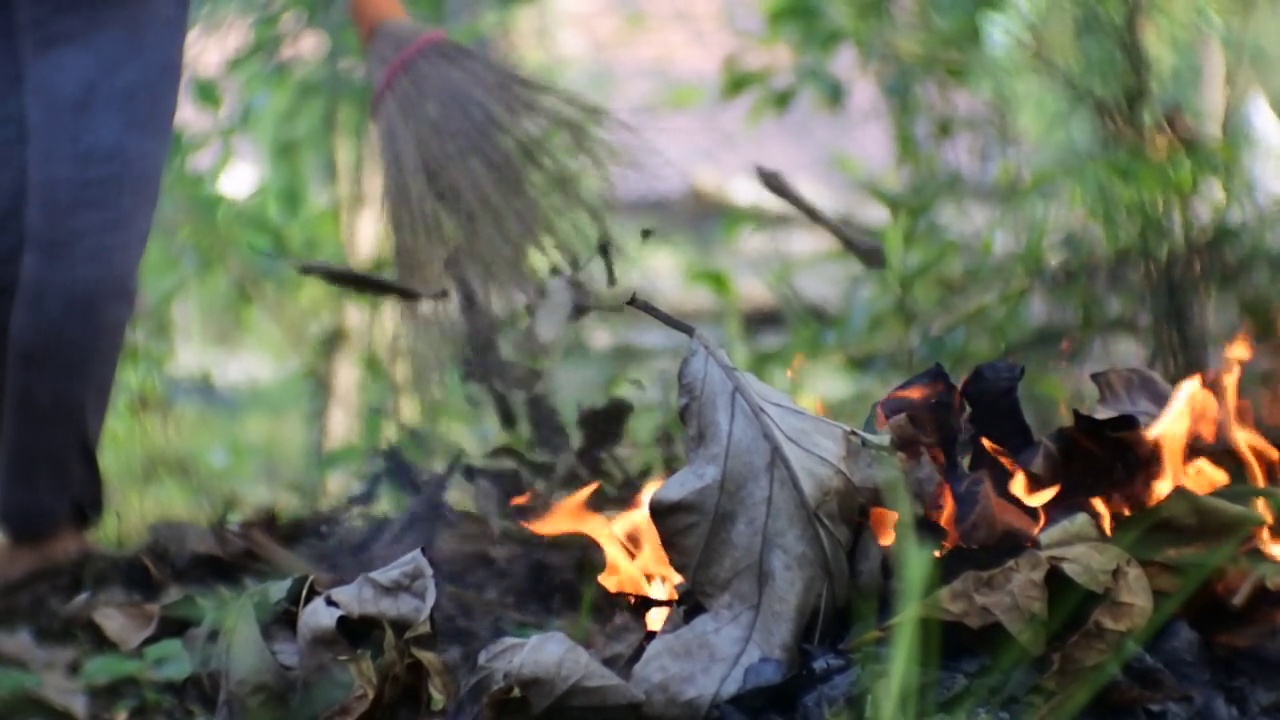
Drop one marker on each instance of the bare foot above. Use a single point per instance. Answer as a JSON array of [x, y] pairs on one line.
[[18, 562]]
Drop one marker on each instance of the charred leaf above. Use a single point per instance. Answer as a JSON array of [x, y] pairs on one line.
[[545, 426], [930, 404], [984, 518], [1094, 457], [995, 413], [1131, 391], [602, 427]]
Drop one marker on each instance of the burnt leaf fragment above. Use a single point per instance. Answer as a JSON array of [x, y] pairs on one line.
[[1094, 457], [932, 405], [602, 427], [546, 428], [995, 413], [983, 517], [1131, 391]]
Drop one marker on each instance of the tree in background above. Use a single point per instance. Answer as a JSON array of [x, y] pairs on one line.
[[1099, 142]]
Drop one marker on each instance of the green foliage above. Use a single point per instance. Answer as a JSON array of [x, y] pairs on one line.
[[165, 661], [1095, 214]]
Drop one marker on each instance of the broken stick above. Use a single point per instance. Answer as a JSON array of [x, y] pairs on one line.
[[859, 242]]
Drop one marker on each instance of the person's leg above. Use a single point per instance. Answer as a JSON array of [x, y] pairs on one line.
[[13, 175], [100, 88]]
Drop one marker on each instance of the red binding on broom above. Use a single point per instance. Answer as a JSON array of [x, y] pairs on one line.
[[401, 61]]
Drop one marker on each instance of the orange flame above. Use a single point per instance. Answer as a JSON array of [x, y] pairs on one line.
[[1019, 486], [797, 361], [884, 523], [947, 519], [1104, 514], [1193, 413], [634, 561], [1247, 442]]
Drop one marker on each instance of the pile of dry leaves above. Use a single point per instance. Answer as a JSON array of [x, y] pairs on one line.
[[780, 523]]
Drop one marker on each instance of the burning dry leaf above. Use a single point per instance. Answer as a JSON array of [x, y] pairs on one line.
[[924, 414], [983, 518], [403, 592], [1210, 518], [1139, 392], [1186, 538], [128, 626], [1094, 458], [1016, 596], [553, 673], [995, 414], [758, 523], [634, 560], [618, 643], [930, 398]]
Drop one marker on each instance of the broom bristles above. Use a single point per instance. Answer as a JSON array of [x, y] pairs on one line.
[[485, 163], [488, 173]]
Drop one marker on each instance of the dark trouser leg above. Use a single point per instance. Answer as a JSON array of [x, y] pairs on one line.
[[100, 84], [13, 175]]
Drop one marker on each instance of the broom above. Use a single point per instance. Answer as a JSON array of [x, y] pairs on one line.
[[484, 169]]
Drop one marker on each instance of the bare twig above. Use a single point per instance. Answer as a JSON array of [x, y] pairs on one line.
[[662, 316], [347, 278], [362, 282], [605, 250], [1247, 590], [858, 241]]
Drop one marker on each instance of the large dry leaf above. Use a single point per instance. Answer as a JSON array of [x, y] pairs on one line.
[[402, 592], [1125, 607], [1015, 596], [553, 672], [1012, 595], [128, 626], [758, 523]]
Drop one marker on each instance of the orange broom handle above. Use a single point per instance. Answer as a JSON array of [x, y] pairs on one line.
[[369, 14]]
